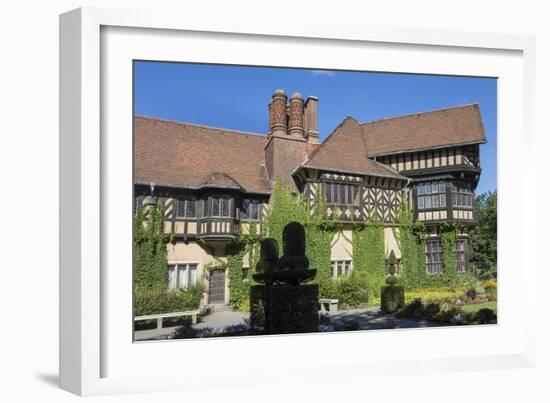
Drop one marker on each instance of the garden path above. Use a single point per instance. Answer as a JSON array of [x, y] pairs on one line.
[[352, 319], [370, 319]]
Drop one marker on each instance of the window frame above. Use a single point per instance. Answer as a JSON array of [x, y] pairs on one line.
[[462, 190], [187, 201], [344, 266], [187, 269], [431, 195], [218, 200], [334, 192], [461, 256], [251, 202], [434, 266]]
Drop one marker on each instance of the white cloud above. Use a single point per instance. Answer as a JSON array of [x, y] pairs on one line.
[[323, 73]]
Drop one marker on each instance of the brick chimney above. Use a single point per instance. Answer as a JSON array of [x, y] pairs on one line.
[[278, 119], [296, 116], [286, 146], [310, 120]]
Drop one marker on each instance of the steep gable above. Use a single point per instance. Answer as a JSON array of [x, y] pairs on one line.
[[345, 150]]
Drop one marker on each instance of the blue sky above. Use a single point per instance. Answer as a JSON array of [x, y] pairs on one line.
[[236, 97]]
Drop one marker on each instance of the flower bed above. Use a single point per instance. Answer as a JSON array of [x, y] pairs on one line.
[[448, 313]]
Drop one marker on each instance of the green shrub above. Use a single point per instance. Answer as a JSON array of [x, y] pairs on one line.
[[490, 285], [351, 291], [438, 295], [159, 299]]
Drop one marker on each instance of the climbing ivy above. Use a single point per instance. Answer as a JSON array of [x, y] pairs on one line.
[[238, 289], [150, 248], [367, 243], [448, 243], [368, 255], [320, 231], [245, 245], [410, 237]]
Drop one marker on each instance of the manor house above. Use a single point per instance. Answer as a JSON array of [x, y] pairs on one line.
[[211, 180]]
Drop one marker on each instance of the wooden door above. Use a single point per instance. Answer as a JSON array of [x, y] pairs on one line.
[[216, 288]]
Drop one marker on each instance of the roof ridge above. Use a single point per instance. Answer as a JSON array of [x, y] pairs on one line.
[[201, 126], [314, 152], [419, 113]]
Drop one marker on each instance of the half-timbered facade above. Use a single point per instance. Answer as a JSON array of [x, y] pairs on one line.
[[212, 180]]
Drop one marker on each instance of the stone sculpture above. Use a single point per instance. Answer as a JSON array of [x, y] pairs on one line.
[[282, 304]]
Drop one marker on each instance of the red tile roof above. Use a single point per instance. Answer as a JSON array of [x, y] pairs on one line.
[[193, 156], [435, 129], [345, 150]]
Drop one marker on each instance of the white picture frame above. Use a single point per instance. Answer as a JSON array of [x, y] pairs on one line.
[[96, 352]]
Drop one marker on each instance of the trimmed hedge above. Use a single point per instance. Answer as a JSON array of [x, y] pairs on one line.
[[392, 298], [157, 300]]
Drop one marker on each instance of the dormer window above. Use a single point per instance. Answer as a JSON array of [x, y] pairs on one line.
[[341, 193]]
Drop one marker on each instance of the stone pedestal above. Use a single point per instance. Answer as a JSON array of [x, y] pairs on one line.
[[284, 308]]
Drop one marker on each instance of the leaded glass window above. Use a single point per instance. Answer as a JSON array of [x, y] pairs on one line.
[[221, 206], [460, 255], [463, 194], [250, 209], [341, 193], [434, 256], [186, 207], [431, 195]]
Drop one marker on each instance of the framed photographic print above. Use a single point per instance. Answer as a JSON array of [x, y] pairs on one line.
[[259, 193]]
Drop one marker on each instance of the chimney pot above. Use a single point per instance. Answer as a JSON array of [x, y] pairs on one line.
[[277, 113], [296, 116]]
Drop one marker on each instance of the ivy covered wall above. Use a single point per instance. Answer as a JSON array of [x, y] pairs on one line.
[[369, 255], [411, 238], [367, 243], [150, 248]]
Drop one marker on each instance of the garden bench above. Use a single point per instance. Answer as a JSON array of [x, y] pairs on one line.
[[160, 317], [328, 305]]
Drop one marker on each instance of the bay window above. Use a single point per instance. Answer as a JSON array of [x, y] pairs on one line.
[[431, 195], [186, 207], [463, 194], [220, 206]]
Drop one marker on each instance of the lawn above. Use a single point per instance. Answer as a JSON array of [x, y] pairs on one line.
[[476, 307]]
